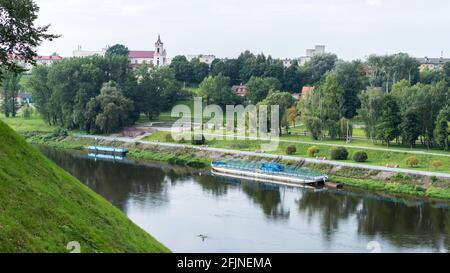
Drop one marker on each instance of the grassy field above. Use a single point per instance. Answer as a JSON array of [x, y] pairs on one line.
[[43, 208], [379, 158], [34, 124]]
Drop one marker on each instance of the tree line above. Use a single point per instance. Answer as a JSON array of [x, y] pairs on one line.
[[101, 94], [394, 100]]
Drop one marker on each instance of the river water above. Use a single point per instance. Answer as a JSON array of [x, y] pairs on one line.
[[177, 204]]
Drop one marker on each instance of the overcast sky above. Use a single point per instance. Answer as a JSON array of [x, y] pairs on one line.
[[282, 28]]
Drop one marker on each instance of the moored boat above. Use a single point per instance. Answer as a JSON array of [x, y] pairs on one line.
[[269, 172], [111, 151]]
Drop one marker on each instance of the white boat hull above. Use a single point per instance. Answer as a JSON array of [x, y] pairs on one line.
[[266, 177]]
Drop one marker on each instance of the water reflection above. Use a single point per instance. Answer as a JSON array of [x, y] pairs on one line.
[[176, 204]]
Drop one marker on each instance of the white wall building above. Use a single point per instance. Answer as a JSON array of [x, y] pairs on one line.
[[311, 52], [157, 57], [79, 52], [207, 59]]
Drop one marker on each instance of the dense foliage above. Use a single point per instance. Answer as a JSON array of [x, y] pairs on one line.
[[19, 35], [69, 94]]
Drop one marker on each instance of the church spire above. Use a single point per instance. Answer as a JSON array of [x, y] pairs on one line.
[[159, 39]]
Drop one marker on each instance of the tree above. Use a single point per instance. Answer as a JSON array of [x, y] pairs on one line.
[[41, 92], [389, 69], [410, 127], [183, 69], [320, 64], [10, 88], [351, 77], [331, 99], [314, 126], [19, 34], [275, 70], [228, 68], [217, 90], [117, 49], [63, 90], [292, 78], [429, 76], [442, 131], [390, 119], [292, 115], [446, 72], [284, 101], [109, 111], [258, 88], [370, 111], [199, 70], [158, 90]]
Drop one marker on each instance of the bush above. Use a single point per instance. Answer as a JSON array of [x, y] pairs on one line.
[[312, 151], [412, 161], [360, 156], [434, 179], [339, 153], [436, 164], [168, 137], [59, 133], [291, 149]]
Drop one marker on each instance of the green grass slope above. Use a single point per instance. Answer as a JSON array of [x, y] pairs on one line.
[[43, 208]]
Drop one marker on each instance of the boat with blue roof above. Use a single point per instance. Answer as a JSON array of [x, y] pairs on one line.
[[274, 172]]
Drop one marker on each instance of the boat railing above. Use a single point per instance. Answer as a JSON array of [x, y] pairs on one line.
[[254, 166]]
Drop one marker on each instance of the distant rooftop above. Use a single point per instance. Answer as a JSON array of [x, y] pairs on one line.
[[435, 61], [141, 54]]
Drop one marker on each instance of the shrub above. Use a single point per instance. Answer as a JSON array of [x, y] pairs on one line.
[[434, 179], [291, 149], [60, 132], [339, 153], [168, 137], [436, 164], [360, 156], [412, 161], [312, 151]]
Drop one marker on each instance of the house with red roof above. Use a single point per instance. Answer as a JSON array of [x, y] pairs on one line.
[[240, 90], [47, 60], [306, 90]]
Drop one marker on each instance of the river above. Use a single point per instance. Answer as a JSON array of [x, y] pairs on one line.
[[177, 204]]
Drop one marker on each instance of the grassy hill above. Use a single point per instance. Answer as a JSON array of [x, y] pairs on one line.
[[43, 208]]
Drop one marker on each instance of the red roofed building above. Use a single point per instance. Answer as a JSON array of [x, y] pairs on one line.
[[157, 57], [306, 90], [47, 60], [240, 90], [141, 56]]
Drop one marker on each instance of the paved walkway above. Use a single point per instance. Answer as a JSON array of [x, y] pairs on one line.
[[327, 144], [248, 153]]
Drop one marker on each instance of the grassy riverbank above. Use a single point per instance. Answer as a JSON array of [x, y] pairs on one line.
[[375, 157], [43, 208]]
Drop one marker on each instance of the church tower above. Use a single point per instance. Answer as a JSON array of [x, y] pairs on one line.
[[160, 58]]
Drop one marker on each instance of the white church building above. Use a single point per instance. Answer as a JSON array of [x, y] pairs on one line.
[[157, 57]]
